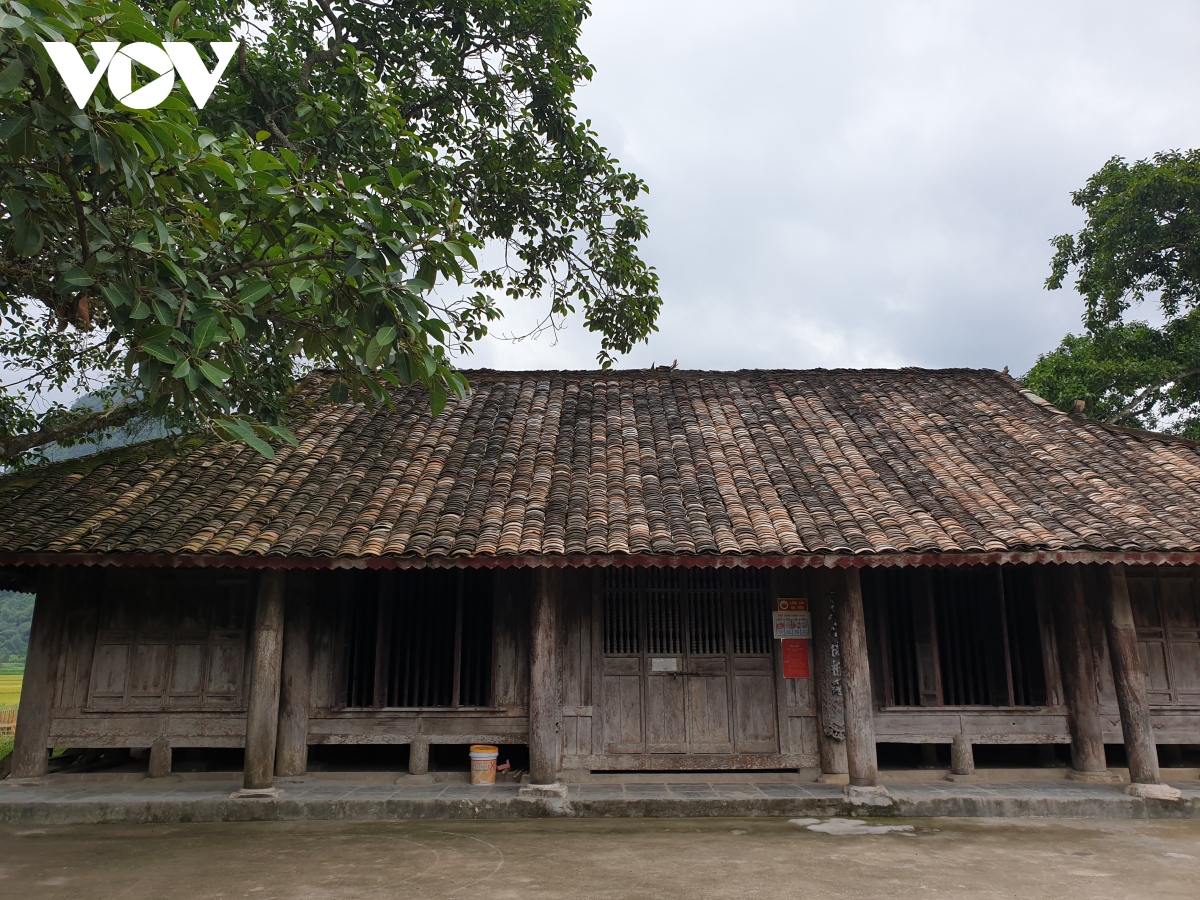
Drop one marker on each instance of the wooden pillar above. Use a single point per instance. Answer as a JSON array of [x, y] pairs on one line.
[[291, 746], [1129, 679], [1078, 671], [856, 682], [262, 708], [543, 676], [29, 756], [831, 730]]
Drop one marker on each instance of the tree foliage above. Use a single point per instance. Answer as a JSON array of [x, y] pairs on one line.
[[16, 614], [1141, 242], [354, 158]]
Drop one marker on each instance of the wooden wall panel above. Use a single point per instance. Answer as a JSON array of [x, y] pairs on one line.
[[511, 648], [577, 642]]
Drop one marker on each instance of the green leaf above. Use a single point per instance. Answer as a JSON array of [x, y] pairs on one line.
[[213, 371], [10, 78], [77, 277], [339, 392], [176, 11], [161, 352], [182, 369], [208, 331], [241, 431], [254, 291], [385, 336], [437, 398]]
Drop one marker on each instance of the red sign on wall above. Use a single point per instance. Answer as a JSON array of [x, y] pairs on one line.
[[795, 658]]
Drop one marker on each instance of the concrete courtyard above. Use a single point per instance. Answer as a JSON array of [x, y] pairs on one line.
[[678, 858]]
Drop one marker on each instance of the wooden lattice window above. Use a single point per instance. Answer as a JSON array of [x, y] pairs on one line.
[[966, 636], [417, 639], [699, 612]]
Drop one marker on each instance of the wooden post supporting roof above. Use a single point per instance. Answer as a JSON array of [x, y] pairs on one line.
[[1078, 671], [29, 756], [1128, 677], [856, 682], [291, 748], [262, 709], [831, 730], [543, 677]]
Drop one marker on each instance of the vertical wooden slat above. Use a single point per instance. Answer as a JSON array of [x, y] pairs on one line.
[[383, 644], [456, 676], [1008, 667]]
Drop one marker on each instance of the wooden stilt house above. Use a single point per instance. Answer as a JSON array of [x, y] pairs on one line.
[[594, 565]]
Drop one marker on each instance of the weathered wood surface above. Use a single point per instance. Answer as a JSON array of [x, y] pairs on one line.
[[1078, 673], [856, 680], [827, 666], [82, 728], [511, 642], [578, 646], [544, 702], [683, 762], [295, 693], [262, 709], [1129, 679], [985, 726], [29, 756]]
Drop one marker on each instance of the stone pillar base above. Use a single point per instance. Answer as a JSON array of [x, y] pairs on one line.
[[959, 778], [1105, 777], [256, 794], [833, 778], [160, 759], [867, 795], [1153, 791], [554, 791]]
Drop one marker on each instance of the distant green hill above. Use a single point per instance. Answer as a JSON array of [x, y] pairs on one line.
[[16, 612]]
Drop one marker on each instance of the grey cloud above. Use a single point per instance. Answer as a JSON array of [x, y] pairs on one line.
[[870, 183]]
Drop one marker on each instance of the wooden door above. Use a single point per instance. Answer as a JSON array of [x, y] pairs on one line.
[[688, 665]]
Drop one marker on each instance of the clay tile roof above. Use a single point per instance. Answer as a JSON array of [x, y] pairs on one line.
[[651, 463]]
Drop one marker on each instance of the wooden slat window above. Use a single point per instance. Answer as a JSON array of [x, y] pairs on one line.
[[697, 611], [966, 636], [418, 639]]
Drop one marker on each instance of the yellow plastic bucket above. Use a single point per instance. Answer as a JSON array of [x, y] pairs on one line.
[[483, 763]]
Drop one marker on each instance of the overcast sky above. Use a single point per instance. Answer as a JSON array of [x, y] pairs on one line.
[[869, 183]]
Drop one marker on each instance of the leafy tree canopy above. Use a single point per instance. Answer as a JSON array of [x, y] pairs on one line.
[[1141, 242], [356, 156]]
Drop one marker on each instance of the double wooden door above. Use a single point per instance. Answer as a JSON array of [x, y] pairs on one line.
[[688, 662]]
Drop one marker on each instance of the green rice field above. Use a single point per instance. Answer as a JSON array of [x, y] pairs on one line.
[[10, 689], [10, 696]]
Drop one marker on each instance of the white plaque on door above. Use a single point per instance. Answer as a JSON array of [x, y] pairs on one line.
[[664, 664]]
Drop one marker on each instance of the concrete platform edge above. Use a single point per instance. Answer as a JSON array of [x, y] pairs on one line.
[[14, 811]]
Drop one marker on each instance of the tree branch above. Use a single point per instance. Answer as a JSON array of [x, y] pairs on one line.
[[1125, 411], [89, 424], [257, 264]]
